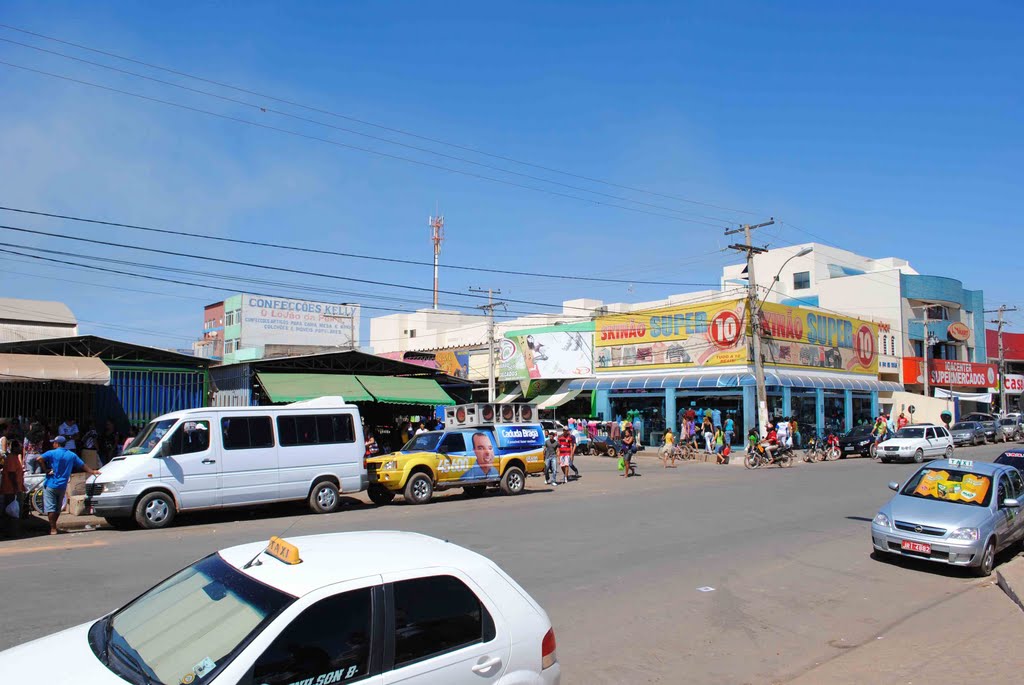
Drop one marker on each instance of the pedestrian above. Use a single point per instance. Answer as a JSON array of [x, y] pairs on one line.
[[902, 421], [90, 444], [782, 430], [69, 431], [566, 447], [12, 477], [60, 462], [109, 441], [370, 447], [422, 429], [794, 431], [551, 459], [730, 430], [628, 449], [668, 449], [720, 447], [716, 418], [708, 429], [890, 425]]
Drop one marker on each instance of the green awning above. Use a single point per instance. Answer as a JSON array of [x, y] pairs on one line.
[[295, 387], [397, 390]]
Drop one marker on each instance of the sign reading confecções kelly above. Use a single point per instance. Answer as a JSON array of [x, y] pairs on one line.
[[282, 321], [684, 336], [797, 336]]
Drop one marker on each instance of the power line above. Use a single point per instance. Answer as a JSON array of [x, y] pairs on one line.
[[333, 253], [344, 129], [336, 143], [365, 122]]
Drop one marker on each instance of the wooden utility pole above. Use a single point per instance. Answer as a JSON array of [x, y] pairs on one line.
[[1002, 357], [753, 315], [489, 308]]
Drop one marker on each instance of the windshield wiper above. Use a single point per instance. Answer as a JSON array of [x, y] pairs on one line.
[[136, 665]]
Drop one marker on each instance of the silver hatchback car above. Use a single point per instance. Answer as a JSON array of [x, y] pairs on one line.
[[955, 512]]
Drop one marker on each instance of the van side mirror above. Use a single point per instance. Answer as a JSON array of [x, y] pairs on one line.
[[893, 485]]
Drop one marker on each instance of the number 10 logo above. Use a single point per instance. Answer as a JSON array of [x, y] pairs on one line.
[[864, 346], [725, 329]]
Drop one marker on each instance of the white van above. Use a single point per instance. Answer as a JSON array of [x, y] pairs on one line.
[[233, 456]]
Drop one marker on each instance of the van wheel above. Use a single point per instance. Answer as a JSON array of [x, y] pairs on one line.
[[324, 499], [419, 489], [155, 510], [381, 496], [121, 522], [513, 482], [919, 456]]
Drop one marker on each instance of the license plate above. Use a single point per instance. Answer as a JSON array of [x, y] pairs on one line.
[[921, 547]]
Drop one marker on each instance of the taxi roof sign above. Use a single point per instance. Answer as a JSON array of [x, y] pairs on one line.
[[962, 463], [283, 550]]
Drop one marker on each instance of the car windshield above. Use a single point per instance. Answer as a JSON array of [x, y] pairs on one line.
[[196, 620], [1007, 422], [963, 426], [960, 487], [424, 442], [150, 437], [910, 433], [858, 431]]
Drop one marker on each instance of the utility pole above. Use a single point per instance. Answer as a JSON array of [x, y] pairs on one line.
[[1002, 357], [753, 314], [489, 308], [924, 349], [436, 224]]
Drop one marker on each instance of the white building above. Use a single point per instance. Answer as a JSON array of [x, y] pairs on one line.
[[35, 320]]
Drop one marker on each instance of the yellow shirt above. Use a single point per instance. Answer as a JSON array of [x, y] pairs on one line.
[[669, 438]]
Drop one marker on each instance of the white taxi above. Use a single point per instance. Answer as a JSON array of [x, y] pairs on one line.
[[376, 607]]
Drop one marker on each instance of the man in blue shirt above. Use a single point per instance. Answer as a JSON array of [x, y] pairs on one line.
[[716, 418], [730, 430], [60, 463]]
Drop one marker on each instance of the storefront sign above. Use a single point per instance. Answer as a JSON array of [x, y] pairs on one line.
[[950, 373], [797, 336], [1014, 384], [281, 321], [958, 331], [546, 353], [888, 365], [708, 334]]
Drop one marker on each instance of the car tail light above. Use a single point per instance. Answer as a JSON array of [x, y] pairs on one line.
[[548, 658]]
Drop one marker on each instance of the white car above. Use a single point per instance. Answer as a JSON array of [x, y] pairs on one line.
[[377, 607], [917, 443]]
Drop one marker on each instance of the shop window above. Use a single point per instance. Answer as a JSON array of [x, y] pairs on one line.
[[801, 280]]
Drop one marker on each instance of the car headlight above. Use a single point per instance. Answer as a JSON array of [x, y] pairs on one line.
[[862, 443], [965, 534], [881, 520], [114, 486], [389, 465]]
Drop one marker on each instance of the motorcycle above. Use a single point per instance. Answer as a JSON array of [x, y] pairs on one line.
[[757, 456]]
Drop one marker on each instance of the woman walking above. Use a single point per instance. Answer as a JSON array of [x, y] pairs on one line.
[[709, 434]]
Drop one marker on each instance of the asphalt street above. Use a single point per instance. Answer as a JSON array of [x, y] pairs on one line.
[[702, 573]]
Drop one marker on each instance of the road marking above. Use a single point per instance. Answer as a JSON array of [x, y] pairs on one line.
[[11, 551]]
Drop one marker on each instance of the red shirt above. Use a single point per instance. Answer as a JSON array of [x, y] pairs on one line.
[[566, 441], [773, 437]]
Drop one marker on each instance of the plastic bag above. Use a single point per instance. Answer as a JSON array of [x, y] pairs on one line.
[[13, 509], [622, 464]]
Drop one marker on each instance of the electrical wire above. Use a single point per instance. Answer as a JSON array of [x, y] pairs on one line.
[[370, 123]]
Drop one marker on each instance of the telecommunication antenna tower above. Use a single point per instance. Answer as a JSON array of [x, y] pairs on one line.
[[436, 224]]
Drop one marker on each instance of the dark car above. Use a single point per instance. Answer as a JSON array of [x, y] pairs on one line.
[[858, 441], [1014, 458], [987, 421], [968, 433]]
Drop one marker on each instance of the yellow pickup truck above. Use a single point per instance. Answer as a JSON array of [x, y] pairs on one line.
[[473, 459]]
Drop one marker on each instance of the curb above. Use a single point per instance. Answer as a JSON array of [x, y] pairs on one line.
[[1015, 570]]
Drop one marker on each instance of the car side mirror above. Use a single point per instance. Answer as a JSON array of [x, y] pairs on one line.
[[893, 485], [1011, 503], [165, 449]]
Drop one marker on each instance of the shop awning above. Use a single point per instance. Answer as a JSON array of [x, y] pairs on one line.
[[295, 387], [397, 390], [557, 399], [507, 397], [735, 379], [21, 368]]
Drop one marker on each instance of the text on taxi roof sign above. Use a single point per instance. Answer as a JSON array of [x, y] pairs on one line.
[[283, 550], [962, 463]]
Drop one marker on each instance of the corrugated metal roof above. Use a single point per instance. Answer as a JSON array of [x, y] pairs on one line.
[[36, 311]]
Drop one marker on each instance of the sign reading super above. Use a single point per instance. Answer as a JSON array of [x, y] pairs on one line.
[[805, 337]]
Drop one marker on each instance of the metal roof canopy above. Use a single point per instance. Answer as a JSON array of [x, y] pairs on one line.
[[397, 390], [26, 368], [112, 351], [43, 312], [351, 362]]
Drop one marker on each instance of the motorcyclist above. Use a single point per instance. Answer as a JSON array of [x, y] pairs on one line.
[[771, 442]]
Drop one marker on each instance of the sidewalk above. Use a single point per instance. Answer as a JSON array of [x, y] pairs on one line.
[[974, 635]]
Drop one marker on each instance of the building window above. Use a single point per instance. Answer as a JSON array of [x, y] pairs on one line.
[[885, 344], [412, 332], [918, 348], [892, 344], [970, 354], [937, 312], [230, 346], [802, 280]]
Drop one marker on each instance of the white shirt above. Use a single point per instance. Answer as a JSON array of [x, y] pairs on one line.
[[67, 431]]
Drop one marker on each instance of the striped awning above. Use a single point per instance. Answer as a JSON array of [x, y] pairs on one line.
[[735, 379], [507, 397], [558, 398]]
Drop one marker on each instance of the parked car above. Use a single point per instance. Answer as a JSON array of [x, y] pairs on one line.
[[1014, 458], [917, 442], [1009, 430], [988, 422], [968, 433], [858, 441], [233, 456]]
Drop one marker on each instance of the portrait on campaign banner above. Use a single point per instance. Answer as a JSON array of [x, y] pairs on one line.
[[707, 334], [804, 337]]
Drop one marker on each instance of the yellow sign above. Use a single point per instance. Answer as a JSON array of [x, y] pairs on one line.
[[803, 337], [283, 550], [968, 488], [706, 334]]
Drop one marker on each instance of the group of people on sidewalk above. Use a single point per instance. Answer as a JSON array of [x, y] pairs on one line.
[[559, 455]]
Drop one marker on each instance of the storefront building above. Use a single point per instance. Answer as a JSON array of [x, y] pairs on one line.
[[820, 368]]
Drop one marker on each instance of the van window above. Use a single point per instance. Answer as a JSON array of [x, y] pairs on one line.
[[321, 429], [191, 437], [246, 432]]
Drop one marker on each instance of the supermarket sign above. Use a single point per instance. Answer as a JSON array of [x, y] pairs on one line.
[[948, 374]]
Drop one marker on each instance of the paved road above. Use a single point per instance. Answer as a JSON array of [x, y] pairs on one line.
[[617, 563]]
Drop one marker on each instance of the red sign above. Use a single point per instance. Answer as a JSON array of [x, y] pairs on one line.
[[947, 374], [958, 331], [725, 328]]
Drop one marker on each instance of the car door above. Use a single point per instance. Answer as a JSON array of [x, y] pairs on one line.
[[453, 458], [442, 629], [336, 639], [1017, 492], [929, 442], [1006, 523], [249, 468], [188, 463]]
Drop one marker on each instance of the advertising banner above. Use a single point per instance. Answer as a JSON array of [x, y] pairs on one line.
[[951, 374], [281, 321], [796, 336], [1014, 384], [707, 334], [546, 353]]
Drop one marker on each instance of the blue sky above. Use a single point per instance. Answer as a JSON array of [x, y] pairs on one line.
[[883, 128]]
